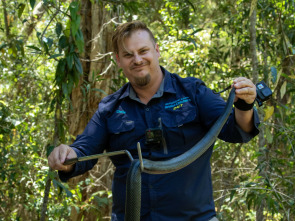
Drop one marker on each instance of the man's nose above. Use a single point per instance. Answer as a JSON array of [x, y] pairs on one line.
[[137, 59]]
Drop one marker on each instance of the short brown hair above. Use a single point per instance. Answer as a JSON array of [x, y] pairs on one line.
[[125, 30]]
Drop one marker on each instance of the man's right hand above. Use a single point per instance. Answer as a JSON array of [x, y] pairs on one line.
[[58, 156]]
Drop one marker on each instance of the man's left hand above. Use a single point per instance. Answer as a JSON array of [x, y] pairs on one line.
[[245, 90]]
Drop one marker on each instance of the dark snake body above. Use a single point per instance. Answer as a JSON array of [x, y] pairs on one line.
[[133, 189]]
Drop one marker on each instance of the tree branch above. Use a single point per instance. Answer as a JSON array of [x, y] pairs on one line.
[[253, 44], [6, 20]]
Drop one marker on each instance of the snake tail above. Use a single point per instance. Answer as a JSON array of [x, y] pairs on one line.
[[133, 192]]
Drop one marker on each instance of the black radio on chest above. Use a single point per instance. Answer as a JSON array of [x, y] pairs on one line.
[[154, 135]]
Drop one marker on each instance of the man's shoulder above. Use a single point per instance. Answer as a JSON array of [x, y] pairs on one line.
[[108, 103]]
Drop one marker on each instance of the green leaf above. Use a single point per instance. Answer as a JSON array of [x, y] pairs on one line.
[[269, 136], [75, 24], [70, 84], [3, 46], [57, 183], [61, 131], [58, 28], [274, 74], [55, 56], [70, 61], [80, 41], [196, 31], [74, 8], [49, 150], [49, 42], [83, 91], [32, 3], [76, 76], [60, 71], [99, 90], [34, 47], [63, 42], [45, 46], [21, 9], [78, 64], [65, 89], [283, 89]]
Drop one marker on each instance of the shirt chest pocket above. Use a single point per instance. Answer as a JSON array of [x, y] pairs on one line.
[[180, 127], [121, 131]]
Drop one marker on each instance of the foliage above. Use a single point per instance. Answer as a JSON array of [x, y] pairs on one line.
[[205, 39]]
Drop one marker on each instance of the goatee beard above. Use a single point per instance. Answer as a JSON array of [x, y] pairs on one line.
[[143, 81]]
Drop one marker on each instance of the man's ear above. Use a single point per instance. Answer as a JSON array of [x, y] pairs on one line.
[[118, 59], [157, 50]]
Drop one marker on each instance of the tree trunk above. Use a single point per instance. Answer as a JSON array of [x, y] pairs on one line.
[[97, 28], [261, 159]]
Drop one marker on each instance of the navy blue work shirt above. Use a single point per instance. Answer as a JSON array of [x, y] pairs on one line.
[[187, 109]]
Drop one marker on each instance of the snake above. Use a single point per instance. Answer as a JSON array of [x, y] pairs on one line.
[[133, 181]]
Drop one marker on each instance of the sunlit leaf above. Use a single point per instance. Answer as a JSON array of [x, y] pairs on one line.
[[21, 9], [34, 47], [268, 112], [283, 89], [269, 136]]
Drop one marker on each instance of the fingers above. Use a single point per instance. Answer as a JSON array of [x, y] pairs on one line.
[[245, 89], [58, 156]]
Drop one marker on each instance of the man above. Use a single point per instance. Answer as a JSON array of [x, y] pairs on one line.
[[183, 109]]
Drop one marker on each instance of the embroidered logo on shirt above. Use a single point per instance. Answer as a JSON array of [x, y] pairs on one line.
[[177, 103], [120, 112]]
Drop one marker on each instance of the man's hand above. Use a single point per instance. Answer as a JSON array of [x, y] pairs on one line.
[[58, 156], [245, 90]]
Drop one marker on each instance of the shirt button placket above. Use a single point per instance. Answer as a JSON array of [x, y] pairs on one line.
[[148, 116]]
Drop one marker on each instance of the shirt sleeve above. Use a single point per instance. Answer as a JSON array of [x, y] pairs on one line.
[[211, 106], [92, 141]]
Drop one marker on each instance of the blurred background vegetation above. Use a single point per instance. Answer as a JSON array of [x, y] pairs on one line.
[[56, 65]]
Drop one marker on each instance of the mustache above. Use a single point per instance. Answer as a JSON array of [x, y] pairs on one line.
[[139, 65]]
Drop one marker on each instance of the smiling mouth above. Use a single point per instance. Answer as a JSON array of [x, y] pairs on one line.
[[136, 67]]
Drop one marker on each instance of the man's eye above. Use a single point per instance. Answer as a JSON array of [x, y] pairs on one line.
[[127, 55]]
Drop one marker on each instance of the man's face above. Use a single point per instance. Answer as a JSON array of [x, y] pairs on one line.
[[139, 58]]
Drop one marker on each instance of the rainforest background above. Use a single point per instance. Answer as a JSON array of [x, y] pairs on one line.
[[56, 65]]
